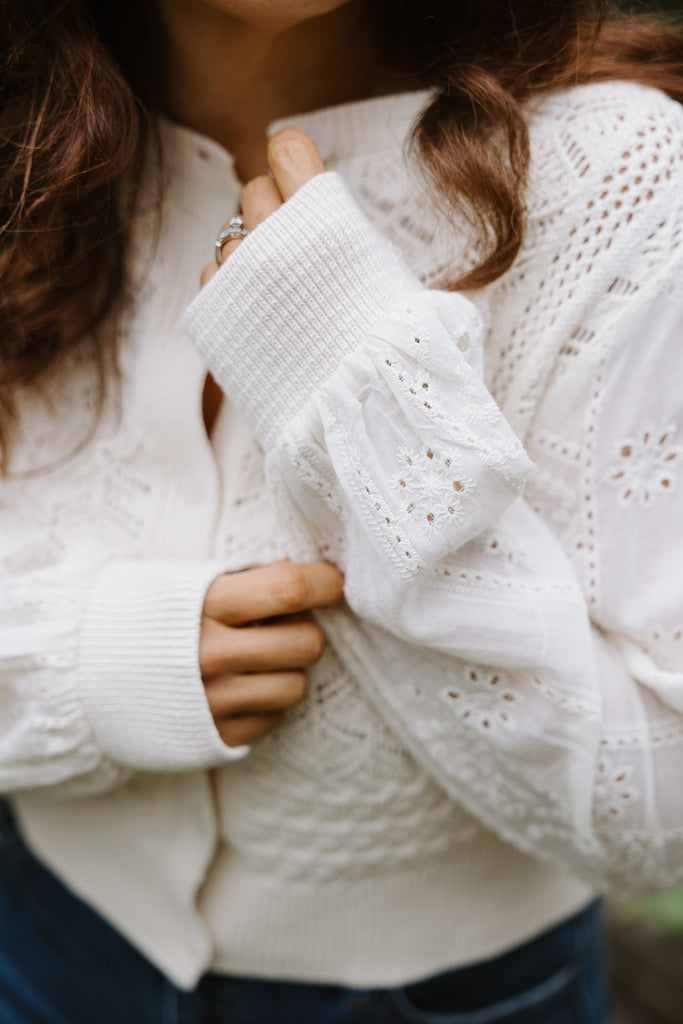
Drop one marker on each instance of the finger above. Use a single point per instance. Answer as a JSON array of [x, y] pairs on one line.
[[229, 246], [275, 648], [260, 198], [294, 159], [282, 588], [208, 272], [211, 268], [236, 732], [255, 693]]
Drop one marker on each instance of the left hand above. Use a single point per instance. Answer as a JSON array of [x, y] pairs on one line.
[[293, 160]]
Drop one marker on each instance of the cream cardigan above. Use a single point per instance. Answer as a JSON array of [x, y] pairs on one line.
[[496, 728]]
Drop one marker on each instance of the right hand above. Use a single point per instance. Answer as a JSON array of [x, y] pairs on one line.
[[255, 643]]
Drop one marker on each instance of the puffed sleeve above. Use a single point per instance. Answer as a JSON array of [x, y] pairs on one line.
[[555, 718]]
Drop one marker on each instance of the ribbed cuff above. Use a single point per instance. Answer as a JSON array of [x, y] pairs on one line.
[[139, 667], [298, 295]]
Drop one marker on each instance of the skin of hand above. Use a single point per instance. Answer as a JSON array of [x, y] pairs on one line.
[[256, 642], [293, 160]]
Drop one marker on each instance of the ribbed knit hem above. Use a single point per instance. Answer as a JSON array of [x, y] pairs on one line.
[[139, 667], [388, 929], [299, 294]]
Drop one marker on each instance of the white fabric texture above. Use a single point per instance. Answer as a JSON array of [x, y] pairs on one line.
[[498, 477]]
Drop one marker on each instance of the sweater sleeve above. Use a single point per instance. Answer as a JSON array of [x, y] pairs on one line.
[[99, 673], [530, 683]]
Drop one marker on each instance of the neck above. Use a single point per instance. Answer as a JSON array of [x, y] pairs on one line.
[[229, 79]]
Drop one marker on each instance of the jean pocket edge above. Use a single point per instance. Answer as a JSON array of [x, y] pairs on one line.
[[497, 1013]]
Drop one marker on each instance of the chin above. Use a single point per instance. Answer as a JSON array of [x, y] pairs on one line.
[[276, 13]]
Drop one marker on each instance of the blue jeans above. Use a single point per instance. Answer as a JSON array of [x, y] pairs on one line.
[[61, 963]]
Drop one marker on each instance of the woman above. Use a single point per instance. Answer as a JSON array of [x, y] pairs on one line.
[[492, 733]]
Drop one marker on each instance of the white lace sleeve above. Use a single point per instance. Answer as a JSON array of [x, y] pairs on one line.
[[473, 633]]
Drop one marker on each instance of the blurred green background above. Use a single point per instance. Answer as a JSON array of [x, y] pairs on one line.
[[666, 909]]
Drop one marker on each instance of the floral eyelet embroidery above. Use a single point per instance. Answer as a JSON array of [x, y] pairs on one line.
[[430, 487], [645, 467], [485, 701], [614, 789]]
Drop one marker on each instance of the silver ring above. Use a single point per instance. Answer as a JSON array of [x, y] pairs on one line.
[[236, 229]]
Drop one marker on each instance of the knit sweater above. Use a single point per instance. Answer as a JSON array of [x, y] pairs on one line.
[[495, 729]]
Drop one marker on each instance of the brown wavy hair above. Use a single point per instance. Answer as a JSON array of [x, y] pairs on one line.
[[78, 90]]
